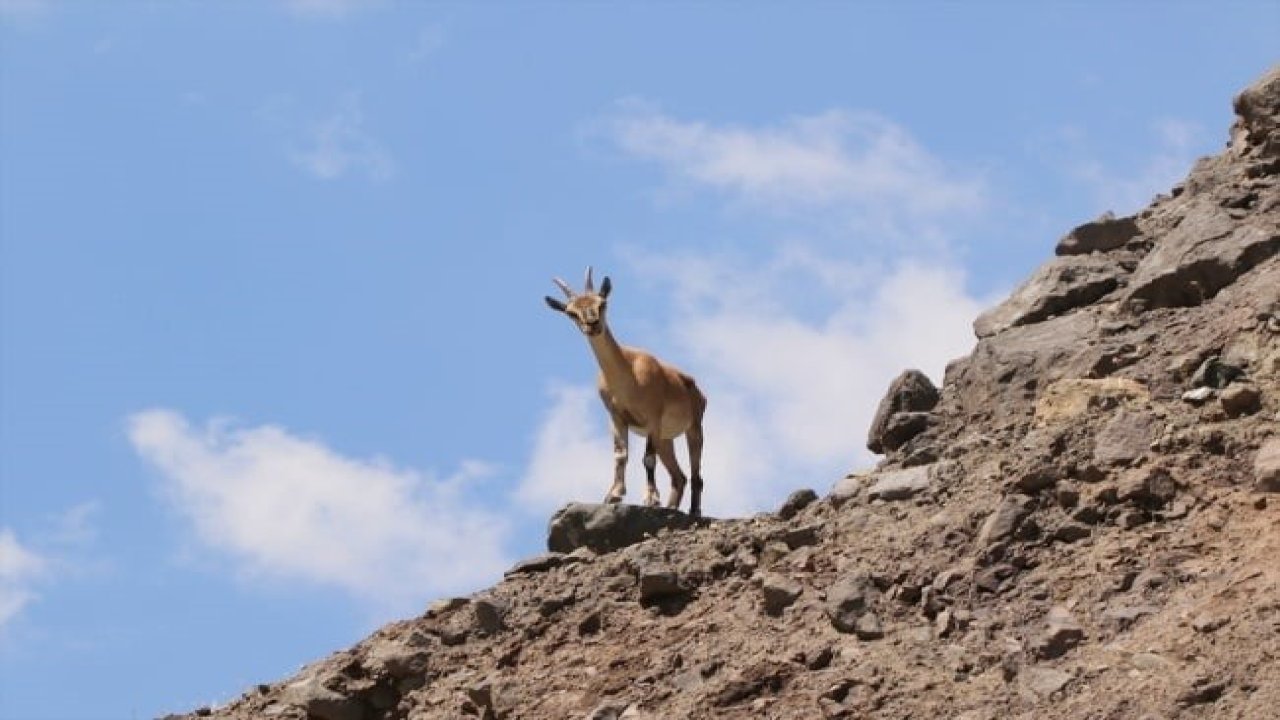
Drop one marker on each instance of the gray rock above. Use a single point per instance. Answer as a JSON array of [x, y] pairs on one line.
[[868, 627], [901, 484], [495, 699], [1071, 532], [1126, 437], [904, 427], [1059, 286], [1148, 488], [1266, 467], [657, 582], [320, 702], [912, 391], [848, 599], [1062, 633], [778, 593], [1206, 252], [1041, 683], [1005, 519], [490, 614], [608, 527], [1126, 615], [397, 658], [797, 501], [537, 564], [1104, 234], [1257, 109]]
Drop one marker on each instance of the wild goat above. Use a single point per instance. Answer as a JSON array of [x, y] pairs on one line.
[[643, 394]]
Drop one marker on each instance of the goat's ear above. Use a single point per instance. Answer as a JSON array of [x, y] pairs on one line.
[[605, 287], [554, 303]]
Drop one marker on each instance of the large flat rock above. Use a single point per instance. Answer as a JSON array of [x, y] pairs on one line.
[[605, 528]]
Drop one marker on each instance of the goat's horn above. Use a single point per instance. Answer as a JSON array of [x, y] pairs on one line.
[[589, 286], [564, 287]]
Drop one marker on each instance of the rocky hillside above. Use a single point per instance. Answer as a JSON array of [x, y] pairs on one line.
[[1082, 522]]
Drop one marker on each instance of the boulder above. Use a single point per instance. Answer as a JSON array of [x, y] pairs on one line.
[[901, 484], [778, 592], [912, 391], [1059, 286], [608, 527], [1101, 235], [1258, 113], [1206, 252], [848, 599], [320, 702], [1005, 519]]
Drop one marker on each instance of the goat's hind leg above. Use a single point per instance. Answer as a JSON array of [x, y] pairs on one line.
[[651, 498], [667, 451]]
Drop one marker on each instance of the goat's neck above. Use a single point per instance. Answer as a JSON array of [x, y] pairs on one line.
[[613, 363]]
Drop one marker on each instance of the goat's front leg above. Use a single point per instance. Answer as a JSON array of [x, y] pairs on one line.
[[619, 488]]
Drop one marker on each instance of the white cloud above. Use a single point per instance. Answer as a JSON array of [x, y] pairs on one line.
[[20, 569], [860, 164], [794, 345], [573, 453], [290, 508], [1178, 143], [328, 9], [338, 144]]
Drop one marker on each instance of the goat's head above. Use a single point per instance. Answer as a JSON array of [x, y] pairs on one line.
[[587, 308]]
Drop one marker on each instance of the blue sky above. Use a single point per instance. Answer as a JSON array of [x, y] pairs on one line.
[[275, 366]]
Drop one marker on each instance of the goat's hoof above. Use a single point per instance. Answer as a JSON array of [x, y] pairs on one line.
[[612, 499]]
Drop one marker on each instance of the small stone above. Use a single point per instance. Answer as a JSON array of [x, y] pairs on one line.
[[942, 623], [900, 484], [1126, 615], [1041, 683], [773, 552], [1199, 396], [320, 702], [1062, 634], [591, 624], [1148, 488], [800, 537], [1005, 519], [796, 502], [657, 583], [1071, 532], [848, 599], [537, 564], [1036, 479], [490, 614], [1203, 690], [1240, 399], [778, 592], [446, 606], [1266, 467], [868, 627], [1205, 623]]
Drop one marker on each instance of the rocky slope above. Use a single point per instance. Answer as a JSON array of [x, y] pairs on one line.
[[1082, 522]]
